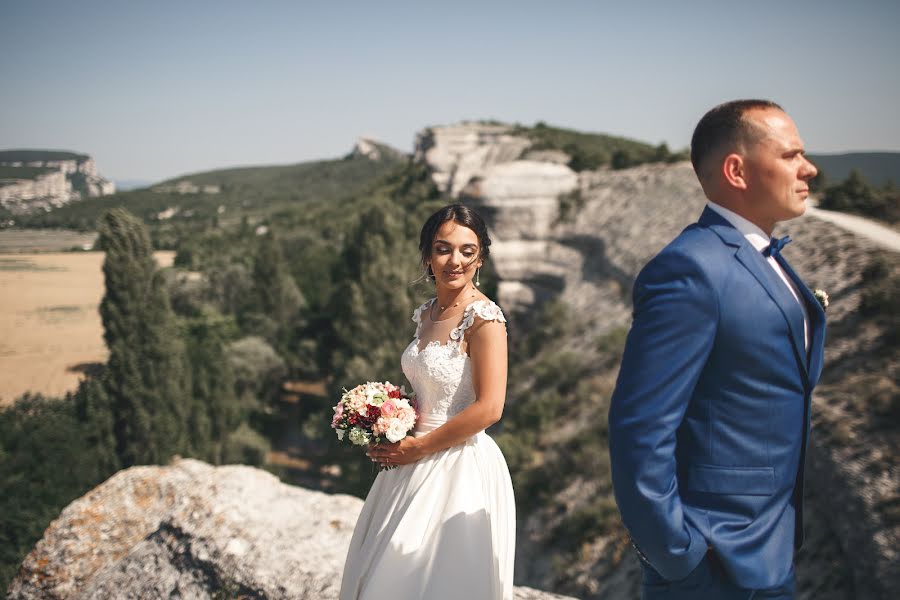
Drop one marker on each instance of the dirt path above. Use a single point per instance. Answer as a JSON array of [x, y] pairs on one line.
[[880, 234]]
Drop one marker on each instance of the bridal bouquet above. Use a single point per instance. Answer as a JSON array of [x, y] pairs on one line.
[[374, 412]]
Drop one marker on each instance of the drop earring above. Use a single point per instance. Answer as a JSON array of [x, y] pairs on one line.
[[477, 278]]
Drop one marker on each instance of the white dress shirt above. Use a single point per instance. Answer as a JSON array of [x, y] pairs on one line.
[[759, 240]]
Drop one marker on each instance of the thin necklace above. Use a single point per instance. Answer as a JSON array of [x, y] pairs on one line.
[[443, 308]]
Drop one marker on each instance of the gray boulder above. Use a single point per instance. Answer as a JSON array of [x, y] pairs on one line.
[[191, 530]]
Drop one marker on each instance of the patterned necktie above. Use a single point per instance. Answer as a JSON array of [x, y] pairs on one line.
[[775, 246]]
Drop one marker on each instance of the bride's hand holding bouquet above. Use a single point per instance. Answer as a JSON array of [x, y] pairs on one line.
[[380, 416]]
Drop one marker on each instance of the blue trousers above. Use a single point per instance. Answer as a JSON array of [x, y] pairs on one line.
[[708, 581]]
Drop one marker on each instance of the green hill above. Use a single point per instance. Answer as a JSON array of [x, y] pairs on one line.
[[594, 150], [876, 167], [253, 194]]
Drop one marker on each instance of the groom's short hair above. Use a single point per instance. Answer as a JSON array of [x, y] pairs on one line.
[[724, 128]]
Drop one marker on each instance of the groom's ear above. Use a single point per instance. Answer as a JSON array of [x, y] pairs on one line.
[[734, 171]]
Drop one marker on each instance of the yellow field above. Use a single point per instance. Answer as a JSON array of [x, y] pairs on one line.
[[50, 328]]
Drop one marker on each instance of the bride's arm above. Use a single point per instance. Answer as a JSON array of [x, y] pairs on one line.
[[487, 354]]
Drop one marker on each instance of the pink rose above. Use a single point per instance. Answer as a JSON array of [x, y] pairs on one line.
[[388, 409], [381, 426], [338, 413], [408, 416]]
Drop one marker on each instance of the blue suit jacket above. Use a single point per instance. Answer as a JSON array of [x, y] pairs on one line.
[[708, 423]]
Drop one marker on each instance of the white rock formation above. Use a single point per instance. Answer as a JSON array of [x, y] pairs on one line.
[[48, 190], [375, 150], [195, 531], [457, 154], [520, 198], [524, 197], [70, 180]]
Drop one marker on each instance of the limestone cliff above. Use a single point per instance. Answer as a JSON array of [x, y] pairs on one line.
[[190, 530], [33, 180]]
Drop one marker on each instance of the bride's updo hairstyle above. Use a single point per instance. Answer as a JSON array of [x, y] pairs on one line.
[[462, 215]]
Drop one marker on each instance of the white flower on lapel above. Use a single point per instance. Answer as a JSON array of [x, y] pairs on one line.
[[822, 297]]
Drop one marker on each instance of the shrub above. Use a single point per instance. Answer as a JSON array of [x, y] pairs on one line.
[[855, 195], [245, 446]]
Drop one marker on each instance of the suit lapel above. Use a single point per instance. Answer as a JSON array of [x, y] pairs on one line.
[[816, 322], [763, 272], [778, 291]]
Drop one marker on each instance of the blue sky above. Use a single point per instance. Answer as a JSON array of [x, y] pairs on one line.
[[157, 89]]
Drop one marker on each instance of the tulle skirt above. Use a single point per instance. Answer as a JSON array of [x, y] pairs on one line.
[[442, 528]]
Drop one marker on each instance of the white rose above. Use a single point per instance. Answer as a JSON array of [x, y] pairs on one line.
[[396, 431]]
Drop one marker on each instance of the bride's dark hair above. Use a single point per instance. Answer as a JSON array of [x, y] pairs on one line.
[[462, 215]]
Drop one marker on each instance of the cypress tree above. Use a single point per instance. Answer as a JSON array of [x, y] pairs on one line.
[[277, 294], [274, 310], [94, 410], [214, 411], [373, 304], [145, 380]]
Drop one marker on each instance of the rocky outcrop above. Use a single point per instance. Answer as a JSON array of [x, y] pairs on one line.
[[375, 150], [191, 530], [66, 177], [459, 155]]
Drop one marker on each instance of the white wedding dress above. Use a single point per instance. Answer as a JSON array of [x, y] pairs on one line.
[[442, 528]]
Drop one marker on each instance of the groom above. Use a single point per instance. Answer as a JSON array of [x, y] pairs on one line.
[[709, 420]]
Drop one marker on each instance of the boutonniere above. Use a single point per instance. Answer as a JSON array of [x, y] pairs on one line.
[[822, 297]]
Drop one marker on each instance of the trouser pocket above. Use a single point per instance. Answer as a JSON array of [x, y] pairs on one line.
[[698, 579]]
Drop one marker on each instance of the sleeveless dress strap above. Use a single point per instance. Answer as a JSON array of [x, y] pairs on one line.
[[417, 315], [484, 309]]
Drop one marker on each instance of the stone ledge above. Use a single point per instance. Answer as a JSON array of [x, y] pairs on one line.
[[196, 531]]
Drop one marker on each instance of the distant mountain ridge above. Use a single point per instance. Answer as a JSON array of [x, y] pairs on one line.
[[194, 200], [876, 167]]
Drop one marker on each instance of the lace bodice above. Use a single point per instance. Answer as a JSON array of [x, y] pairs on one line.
[[441, 373]]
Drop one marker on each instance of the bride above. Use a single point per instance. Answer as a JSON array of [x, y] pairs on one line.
[[442, 524]]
